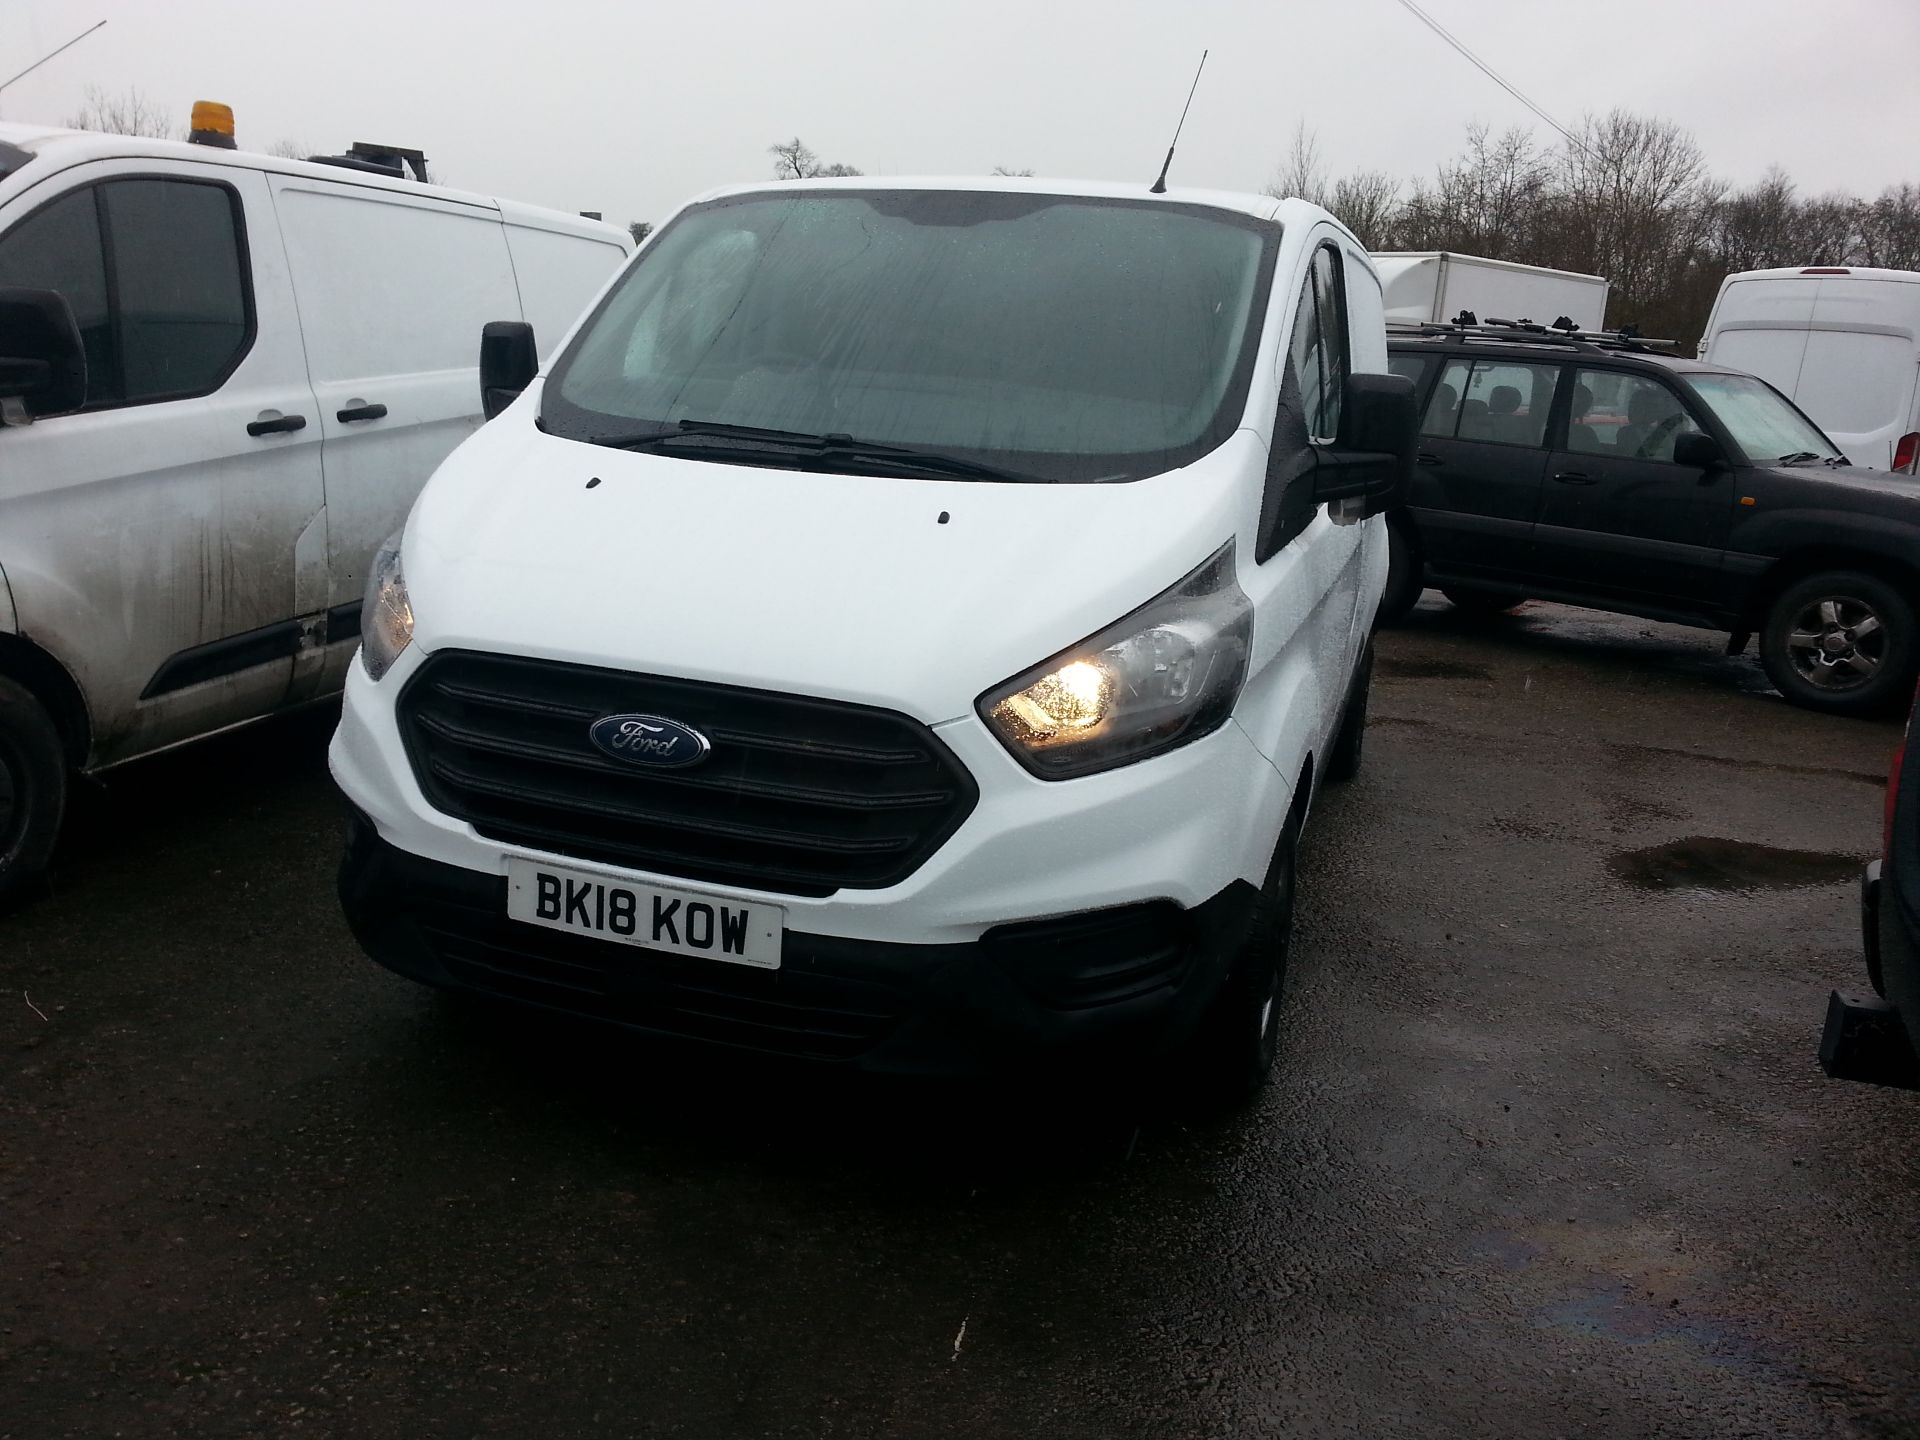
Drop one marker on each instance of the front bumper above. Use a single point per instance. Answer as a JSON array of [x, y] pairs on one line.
[[1120, 983]]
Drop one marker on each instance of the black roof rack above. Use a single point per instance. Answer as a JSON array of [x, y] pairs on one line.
[[1563, 333], [391, 160]]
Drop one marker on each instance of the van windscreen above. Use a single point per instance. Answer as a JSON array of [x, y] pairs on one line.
[[1053, 337]]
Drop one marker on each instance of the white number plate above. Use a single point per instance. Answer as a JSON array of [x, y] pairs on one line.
[[683, 921]]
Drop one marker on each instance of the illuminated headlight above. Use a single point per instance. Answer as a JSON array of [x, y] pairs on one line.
[[386, 619], [1165, 675]]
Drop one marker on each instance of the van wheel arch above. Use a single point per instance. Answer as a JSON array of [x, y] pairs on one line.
[[50, 683]]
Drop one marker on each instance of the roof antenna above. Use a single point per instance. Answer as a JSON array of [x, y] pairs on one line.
[[1160, 185]]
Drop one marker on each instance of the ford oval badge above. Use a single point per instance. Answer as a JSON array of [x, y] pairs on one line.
[[651, 740]]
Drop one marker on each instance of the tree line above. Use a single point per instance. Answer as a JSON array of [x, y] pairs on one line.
[[1629, 197]]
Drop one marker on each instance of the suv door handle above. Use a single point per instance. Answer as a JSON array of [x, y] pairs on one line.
[[360, 412], [1574, 477], [286, 424], [1426, 457]]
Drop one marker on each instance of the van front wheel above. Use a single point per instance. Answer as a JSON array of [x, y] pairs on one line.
[[33, 790]]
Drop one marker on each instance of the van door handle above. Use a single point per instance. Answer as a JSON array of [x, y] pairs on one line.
[[1574, 477], [285, 425], [360, 412], [1426, 457]]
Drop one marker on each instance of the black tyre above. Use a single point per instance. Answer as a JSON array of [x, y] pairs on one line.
[[1841, 641], [33, 790], [1482, 602], [1232, 1053], [1403, 578], [1343, 757]]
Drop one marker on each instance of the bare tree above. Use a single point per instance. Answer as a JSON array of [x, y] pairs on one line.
[[1890, 229], [1489, 201], [795, 160], [640, 229], [1368, 204], [1630, 197], [128, 113], [1302, 174], [1003, 170], [289, 150]]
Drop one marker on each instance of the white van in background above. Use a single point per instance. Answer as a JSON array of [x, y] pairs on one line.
[[274, 355], [1843, 343]]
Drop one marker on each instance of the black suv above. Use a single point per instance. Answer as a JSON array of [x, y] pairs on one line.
[[1594, 469]]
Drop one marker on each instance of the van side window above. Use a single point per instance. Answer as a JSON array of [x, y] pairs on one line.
[[155, 272], [1330, 292], [58, 247], [1318, 350], [1307, 358]]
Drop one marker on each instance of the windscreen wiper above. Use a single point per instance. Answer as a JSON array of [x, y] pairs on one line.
[[1799, 457], [833, 447]]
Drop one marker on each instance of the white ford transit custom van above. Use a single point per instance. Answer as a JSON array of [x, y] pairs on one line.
[[905, 627], [1841, 342], [223, 379]]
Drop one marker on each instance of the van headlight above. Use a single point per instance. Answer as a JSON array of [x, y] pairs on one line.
[[1165, 675], [386, 617]]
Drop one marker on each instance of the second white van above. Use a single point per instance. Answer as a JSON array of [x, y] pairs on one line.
[[1841, 342], [223, 379]]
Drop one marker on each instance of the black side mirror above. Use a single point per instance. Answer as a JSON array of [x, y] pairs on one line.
[[508, 363], [1371, 461], [43, 365], [1701, 452]]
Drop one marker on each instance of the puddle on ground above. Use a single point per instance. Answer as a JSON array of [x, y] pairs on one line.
[[1400, 667], [1706, 862]]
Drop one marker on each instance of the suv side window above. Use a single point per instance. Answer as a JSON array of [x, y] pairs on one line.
[[1500, 402], [1318, 350], [1414, 367], [1629, 417], [1443, 407], [155, 271]]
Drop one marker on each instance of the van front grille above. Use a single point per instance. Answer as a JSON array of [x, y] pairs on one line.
[[798, 795]]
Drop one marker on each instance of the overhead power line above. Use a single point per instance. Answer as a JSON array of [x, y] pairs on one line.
[[1487, 70]]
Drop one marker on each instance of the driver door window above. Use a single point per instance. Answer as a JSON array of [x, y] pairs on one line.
[[1625, 417]]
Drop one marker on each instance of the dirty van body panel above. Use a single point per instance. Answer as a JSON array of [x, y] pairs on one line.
[[395, 402], [136, 532]]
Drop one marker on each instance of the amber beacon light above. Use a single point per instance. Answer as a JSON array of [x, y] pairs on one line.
[[212, 124]]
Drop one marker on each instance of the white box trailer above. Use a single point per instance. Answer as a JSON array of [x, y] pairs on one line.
[[1426, 287]]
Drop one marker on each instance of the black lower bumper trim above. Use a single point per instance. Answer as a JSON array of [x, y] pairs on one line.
[[1113, 984]]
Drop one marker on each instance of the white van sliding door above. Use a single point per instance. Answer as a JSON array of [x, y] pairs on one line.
[[393, 288]]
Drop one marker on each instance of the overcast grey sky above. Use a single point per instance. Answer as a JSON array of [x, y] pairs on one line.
[[632, 107]]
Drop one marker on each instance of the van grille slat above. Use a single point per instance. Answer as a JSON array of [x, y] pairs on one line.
[[799, 796]]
